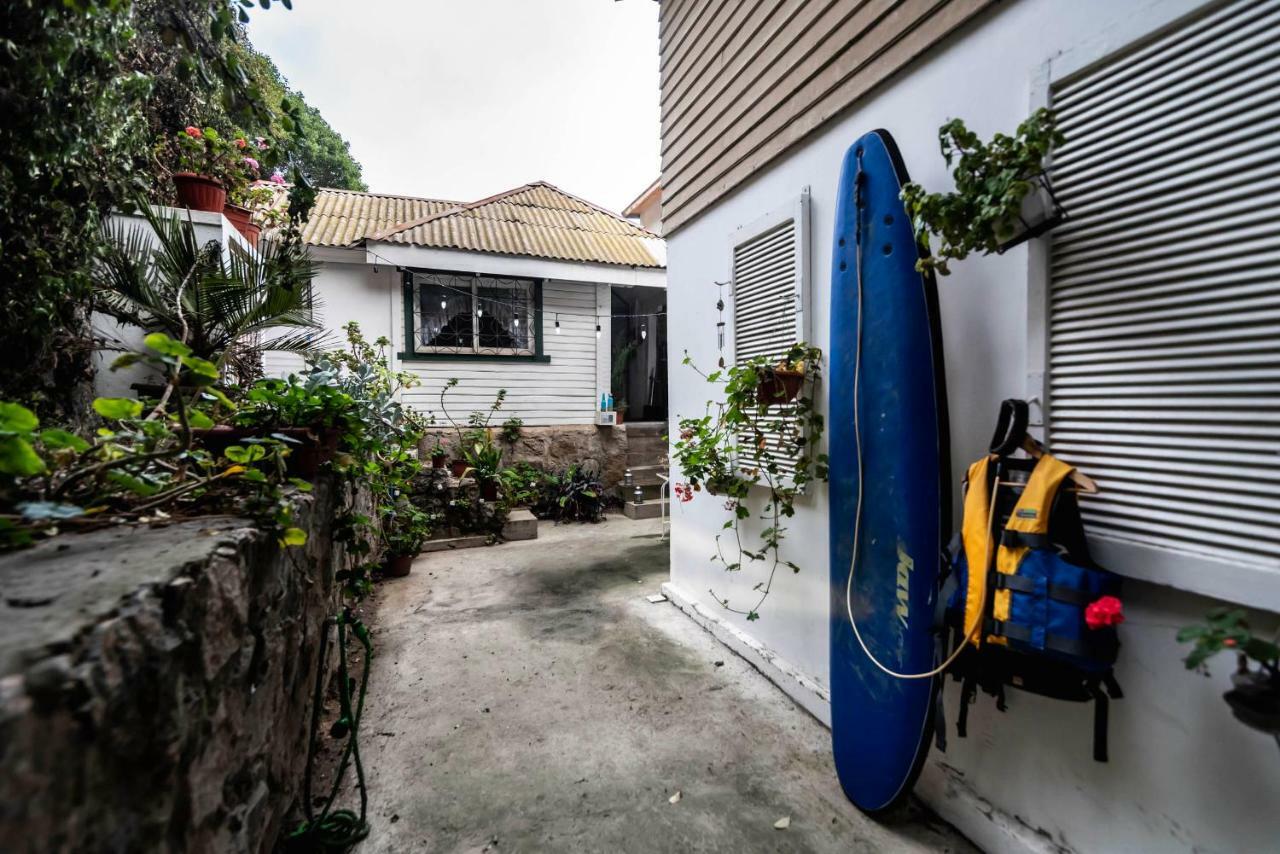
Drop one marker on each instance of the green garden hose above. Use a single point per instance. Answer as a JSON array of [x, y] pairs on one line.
[[336, 830]]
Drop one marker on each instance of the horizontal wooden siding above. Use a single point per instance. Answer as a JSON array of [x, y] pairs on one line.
[[743, 80]]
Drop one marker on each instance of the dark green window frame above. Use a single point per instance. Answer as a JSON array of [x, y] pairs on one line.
[[410, 310]]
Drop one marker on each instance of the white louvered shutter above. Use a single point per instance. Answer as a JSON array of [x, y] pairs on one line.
[[770, 273], [1164, 317]]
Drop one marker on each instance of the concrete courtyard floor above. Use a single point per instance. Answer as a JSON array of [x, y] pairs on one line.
[[526, 697]]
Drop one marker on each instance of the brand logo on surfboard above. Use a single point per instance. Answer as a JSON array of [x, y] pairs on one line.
[[905, 565]]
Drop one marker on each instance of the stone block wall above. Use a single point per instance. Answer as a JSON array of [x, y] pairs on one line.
[[558, 447], [156, 683]]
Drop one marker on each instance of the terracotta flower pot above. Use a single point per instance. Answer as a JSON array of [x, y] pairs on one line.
[[398, 566], [619, 415], [489, 490], [438, 461], [242, 220], [199, 192], [457, 468], [778, 386]]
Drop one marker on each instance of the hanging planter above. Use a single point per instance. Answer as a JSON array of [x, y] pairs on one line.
[[241, 219], [1039, 214], [199, 192], [1002, 197], [1255, 701], [776, 385], [1255, 696]]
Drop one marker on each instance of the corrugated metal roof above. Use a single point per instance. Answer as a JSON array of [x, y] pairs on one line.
[[536, 219], [344, 217]]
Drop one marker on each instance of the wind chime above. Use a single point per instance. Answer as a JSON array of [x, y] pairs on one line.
[[720, 324]]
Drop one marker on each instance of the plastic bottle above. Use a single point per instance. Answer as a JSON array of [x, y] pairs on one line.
[[603, 401], [610, 401]]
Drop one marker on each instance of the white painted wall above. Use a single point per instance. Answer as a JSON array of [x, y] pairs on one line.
[[116, 337], [1183, 774], [565, 390]]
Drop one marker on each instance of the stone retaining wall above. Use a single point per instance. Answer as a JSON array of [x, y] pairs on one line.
[[556, 448], [156, 683]]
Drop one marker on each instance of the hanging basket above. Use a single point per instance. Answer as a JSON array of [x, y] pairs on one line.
[[199, 192], [242, 220], [1041, 213], [1255, 702], [778, 385]]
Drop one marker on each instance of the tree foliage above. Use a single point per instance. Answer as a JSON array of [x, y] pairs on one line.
[[87, 88]]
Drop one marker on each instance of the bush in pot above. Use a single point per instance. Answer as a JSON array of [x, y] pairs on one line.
[[405, 529], [1255, 696], [1002, 195], [484, 462], [203, 156]]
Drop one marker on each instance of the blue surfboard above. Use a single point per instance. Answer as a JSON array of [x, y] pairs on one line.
[[885, 340]]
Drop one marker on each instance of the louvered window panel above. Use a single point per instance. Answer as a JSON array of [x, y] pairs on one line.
[[1164, 323], [769, 294]]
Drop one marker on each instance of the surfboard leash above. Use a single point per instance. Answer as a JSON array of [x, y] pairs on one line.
[[859, 182]]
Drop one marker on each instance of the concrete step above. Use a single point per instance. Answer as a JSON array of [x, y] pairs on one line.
[[650, 491], [646, 475], [645, 428], [521, 525], [647, 510]]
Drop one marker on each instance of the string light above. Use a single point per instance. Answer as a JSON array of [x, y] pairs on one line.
[[597, 330], [644, 332], [557, 324]]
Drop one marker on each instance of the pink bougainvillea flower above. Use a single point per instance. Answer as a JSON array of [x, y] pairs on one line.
[[194, 132], [1106, 611], [262, 143], [251, 163], [684, 492], [277, 177]]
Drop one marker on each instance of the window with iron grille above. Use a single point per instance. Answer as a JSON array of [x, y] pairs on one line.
[[472, 315]]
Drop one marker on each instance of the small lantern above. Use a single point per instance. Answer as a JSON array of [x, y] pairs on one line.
[[628, 479], [638, 494]]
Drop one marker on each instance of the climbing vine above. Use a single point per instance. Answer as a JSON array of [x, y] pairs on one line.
[[758, 440]]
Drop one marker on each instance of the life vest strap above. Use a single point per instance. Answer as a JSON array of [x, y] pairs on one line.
[[1025, 539], [1057, 592], [1022, 634]]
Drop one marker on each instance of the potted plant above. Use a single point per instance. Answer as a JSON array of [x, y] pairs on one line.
[[621, 409], [1255, 695], [439, 456], [405, 529], [308, 412], [781, 382], [1002, 194], [484, 461], [245, 195], [202, 160]]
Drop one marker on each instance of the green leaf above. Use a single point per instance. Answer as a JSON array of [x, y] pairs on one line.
[[293, 537], [300, 484], [16, 418], [245, 453], [17, 457], [117, 408], [124, 360], [134, 484], [203, 372], [166, 346], [59, 439], [199, 420]]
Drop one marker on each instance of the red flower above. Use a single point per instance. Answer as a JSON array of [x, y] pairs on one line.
[[194, 131], [240, 143], [1228, 641], [684, 492], [1106, 611]]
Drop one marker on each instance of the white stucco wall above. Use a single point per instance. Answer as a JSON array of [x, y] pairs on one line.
[[1183, 774]]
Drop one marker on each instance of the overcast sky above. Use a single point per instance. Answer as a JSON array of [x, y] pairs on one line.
[[461, 99]]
